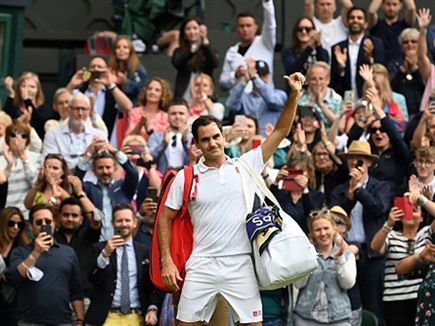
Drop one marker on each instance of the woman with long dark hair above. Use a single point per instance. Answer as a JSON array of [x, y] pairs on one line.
[[305, 48], [193, 56], [52, 185], [12, 234]]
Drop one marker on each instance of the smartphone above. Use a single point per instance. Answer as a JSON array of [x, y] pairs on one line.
[[152, 193], [136, 149], [359, 163], [88, 74], [96, 74], [240, 119], [27, 103], [256, 143], [405, 205], [349, 96], [47, 229], [289, 183], [119, 230]]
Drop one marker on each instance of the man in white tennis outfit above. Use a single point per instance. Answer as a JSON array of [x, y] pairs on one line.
[[220, 262]]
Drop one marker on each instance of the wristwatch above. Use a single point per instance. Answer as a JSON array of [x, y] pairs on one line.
[[112, 87], [53, 200], [81, 195], [422, 200]]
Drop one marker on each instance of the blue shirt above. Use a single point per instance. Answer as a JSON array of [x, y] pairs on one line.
[[266, 105], [48, 300], [102, 263]]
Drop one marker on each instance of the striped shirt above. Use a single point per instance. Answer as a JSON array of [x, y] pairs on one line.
[[21, 179], [397, 248]]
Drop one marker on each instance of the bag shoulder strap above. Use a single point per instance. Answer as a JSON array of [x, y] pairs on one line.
[[189, 178], [260, 183]]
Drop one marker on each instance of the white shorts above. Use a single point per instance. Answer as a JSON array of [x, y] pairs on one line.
[[231, 276]]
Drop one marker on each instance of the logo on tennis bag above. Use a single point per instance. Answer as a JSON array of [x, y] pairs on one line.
[[282, 253], [182, 230]]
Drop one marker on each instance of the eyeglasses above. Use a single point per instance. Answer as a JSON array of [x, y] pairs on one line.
[[303, 28], [46, 220], [23, 135], [424, 162], [20, 224], [410, 246], [174, 141], [373, 130], [79, 108], [409, 41]]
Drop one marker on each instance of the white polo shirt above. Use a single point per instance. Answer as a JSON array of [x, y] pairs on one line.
[[219, 211]]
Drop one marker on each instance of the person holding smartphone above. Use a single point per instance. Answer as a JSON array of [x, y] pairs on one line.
[[398, 238], [37, 267], [294, 189], [120, 295]]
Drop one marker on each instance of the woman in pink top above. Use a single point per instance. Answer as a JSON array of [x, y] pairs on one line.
[[151, 114]]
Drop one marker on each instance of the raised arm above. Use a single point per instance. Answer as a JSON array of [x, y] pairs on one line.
[[372, 13], [285, 121], [345, 6], [309, 8], [411, 10], [424, 17]]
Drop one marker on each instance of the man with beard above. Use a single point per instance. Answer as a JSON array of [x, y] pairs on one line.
[[170, 149], [107, 192], [76, 234], [350, 54], [389, 28], [72, 138]]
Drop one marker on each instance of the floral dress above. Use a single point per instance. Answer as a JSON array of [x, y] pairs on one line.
[[425, 315]]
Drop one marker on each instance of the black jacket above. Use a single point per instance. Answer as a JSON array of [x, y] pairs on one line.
[[342, 81], [376, 199], [104, 284]]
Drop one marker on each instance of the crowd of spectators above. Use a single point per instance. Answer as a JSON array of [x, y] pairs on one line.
[[79, 181]]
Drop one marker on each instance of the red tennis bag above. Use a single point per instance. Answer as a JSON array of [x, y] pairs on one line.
[[182, 230]]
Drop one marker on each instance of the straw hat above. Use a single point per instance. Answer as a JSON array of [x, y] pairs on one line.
[[338, 213], [362, 148]]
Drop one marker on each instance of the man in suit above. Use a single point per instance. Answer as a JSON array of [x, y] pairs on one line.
[[350, 54], [122, 292], [367, 201], [107, 192]]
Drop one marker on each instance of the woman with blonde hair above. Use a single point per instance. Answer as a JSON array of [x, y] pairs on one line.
[[131, 75], [26, 102], [202, 101], [394, 104], [151, 114], [323, 298]]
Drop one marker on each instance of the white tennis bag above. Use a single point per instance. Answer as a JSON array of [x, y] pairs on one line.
[[289, 256]]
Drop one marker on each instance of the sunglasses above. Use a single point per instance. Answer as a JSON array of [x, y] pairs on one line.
[[46, 220], [373, 130], [14, 134], [174, 141], [410, 247], [323, 211], [339, 221], [20, 224], [409, 41], [303, 28]]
